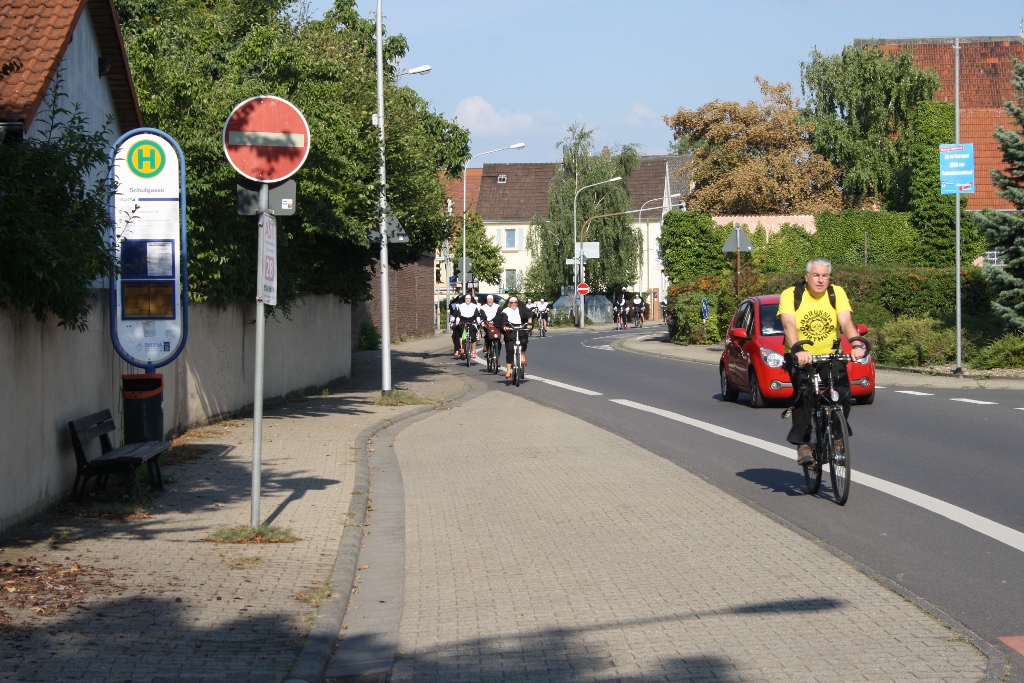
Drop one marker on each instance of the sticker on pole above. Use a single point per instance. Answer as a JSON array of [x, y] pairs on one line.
[[583, 289], [266, 139], [956, 168], [266, 286]]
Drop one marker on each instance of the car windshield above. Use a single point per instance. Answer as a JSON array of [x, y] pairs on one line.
[[770, 324]]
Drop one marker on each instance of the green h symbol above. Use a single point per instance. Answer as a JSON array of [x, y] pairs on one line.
[[149, 158]]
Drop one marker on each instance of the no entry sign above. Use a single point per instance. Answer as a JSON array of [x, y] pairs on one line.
[[583, 288], [266, 139]]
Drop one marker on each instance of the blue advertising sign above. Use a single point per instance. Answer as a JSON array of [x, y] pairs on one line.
[[704, 308], [956, 168]]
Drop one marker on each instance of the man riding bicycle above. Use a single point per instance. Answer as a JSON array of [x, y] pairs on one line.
[[542, 313], [815, 310]]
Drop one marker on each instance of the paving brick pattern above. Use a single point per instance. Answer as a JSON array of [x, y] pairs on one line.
[[190, 610], [550, 550]]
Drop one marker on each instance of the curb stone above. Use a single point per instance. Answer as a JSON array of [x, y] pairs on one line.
[[316, 652]]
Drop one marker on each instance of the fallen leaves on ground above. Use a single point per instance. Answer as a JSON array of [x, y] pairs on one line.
[[49, 588]]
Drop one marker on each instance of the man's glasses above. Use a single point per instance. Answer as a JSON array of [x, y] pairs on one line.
[[820, 276]]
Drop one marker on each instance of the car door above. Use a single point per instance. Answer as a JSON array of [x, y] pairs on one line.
[[738, 359]]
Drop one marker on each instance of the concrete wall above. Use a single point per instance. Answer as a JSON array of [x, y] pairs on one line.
[[49, 376]]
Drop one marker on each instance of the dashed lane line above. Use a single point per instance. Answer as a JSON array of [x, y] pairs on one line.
[[562, 385], [983, 525], [974, 400], [912, 393]]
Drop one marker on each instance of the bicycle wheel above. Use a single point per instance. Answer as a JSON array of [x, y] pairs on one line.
[[491, 358], [838, 444], [812, 474], [516, 366]]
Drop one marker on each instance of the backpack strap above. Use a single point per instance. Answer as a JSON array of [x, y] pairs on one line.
[[798, 295]]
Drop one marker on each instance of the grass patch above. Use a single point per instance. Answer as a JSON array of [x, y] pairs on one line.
[[315, 598], [244, 561], [402, 397], [243, 533]]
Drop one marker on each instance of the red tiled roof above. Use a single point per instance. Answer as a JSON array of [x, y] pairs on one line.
[[648, 181], [34, 35], [453, 187], [986, 71]]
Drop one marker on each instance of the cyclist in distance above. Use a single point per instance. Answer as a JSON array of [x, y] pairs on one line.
[[453, 317], [489, 312], [542, 313], [511, 315], [815, 310], [468, 314], [638, 309]]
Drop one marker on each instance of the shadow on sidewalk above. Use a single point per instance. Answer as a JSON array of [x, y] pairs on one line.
[[569, 655], [153, 639]]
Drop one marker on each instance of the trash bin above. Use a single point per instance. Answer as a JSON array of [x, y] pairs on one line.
[[143, 407]]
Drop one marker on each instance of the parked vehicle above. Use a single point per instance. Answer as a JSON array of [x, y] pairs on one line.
[[753, 359]]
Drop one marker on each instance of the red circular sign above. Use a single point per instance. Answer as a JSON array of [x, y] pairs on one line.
[[266, 139], [583, 288]]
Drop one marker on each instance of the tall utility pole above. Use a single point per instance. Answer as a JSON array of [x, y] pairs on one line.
[[385, 301], [956, 87]]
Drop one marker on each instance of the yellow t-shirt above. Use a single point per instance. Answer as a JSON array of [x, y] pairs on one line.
[[816, 321]]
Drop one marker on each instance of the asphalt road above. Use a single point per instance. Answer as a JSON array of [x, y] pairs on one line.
[[960, 453]]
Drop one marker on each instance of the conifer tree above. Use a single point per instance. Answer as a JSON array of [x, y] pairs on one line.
[[1005, 230]]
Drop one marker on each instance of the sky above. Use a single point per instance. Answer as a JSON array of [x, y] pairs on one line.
[[524, 70]]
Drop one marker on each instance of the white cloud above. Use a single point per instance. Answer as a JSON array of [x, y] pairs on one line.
[[640, 116], [480, 117]]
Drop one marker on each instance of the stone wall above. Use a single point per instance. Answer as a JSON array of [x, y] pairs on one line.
[[411, 292]]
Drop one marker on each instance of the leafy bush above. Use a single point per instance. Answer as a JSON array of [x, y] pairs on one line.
[[369, 337], [787, 250], [1005, 352], [691, 246], [688, 325], [912, 342], [840, 237]]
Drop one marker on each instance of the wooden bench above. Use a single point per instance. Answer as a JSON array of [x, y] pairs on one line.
[[125, 459]]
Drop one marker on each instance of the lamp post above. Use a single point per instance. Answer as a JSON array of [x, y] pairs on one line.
[[647, 239], [462, 265], [578, 266], [385, 303]]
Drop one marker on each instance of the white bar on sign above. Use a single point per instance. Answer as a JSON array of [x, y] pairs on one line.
[[238, 137]]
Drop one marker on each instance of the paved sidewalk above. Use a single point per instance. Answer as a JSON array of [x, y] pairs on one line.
[[656, 343], [550, 550], [151, 601]]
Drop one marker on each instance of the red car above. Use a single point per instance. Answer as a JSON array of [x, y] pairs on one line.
[[752, 361]]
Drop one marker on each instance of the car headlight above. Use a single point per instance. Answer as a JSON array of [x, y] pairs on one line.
[[772, 359]]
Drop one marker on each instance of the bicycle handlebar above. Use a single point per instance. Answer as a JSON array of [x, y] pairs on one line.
[[835, 355]]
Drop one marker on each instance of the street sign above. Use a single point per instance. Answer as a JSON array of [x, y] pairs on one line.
[[453, 279], [738, 241], [266, 139], [266, 286], [148, 294], [704, 309], [956, 168], [583, 289], [282, 198], [465, 265]]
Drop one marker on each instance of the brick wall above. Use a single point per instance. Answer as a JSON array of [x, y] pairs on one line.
[[412, 302], [985, 84]]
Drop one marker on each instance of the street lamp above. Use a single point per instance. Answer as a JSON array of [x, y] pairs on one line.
[[462, 266], [579, 248], [385, 303]]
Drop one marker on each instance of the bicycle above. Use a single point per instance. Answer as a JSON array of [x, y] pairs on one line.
[[518, 372], [543, 319], [831, 433], [468, 357], [492, 340], [638, 320]]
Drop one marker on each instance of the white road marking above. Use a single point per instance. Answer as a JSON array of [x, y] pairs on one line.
[[983, 525], [912, 393], [1018, 408], [972, 400], [561, 385], [879, 386]]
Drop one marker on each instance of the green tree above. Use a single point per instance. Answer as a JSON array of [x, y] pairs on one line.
[[933, 214], [483, 252], [552, 241], [193, 61], [755, 158], [859, 104], [1005, 230], [691, 247], [53, 199]]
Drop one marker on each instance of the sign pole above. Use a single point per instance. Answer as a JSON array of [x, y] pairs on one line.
[[257, 404], [738, 259], [959, 331]]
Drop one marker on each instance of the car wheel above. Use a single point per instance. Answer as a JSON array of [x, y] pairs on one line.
[[728, 393], [866, 400], [756, 398]]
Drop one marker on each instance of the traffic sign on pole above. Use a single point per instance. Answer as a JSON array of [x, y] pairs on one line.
[[266, 139], [583, 288]]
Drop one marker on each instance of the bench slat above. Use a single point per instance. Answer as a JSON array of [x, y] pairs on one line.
[[90, 430]]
